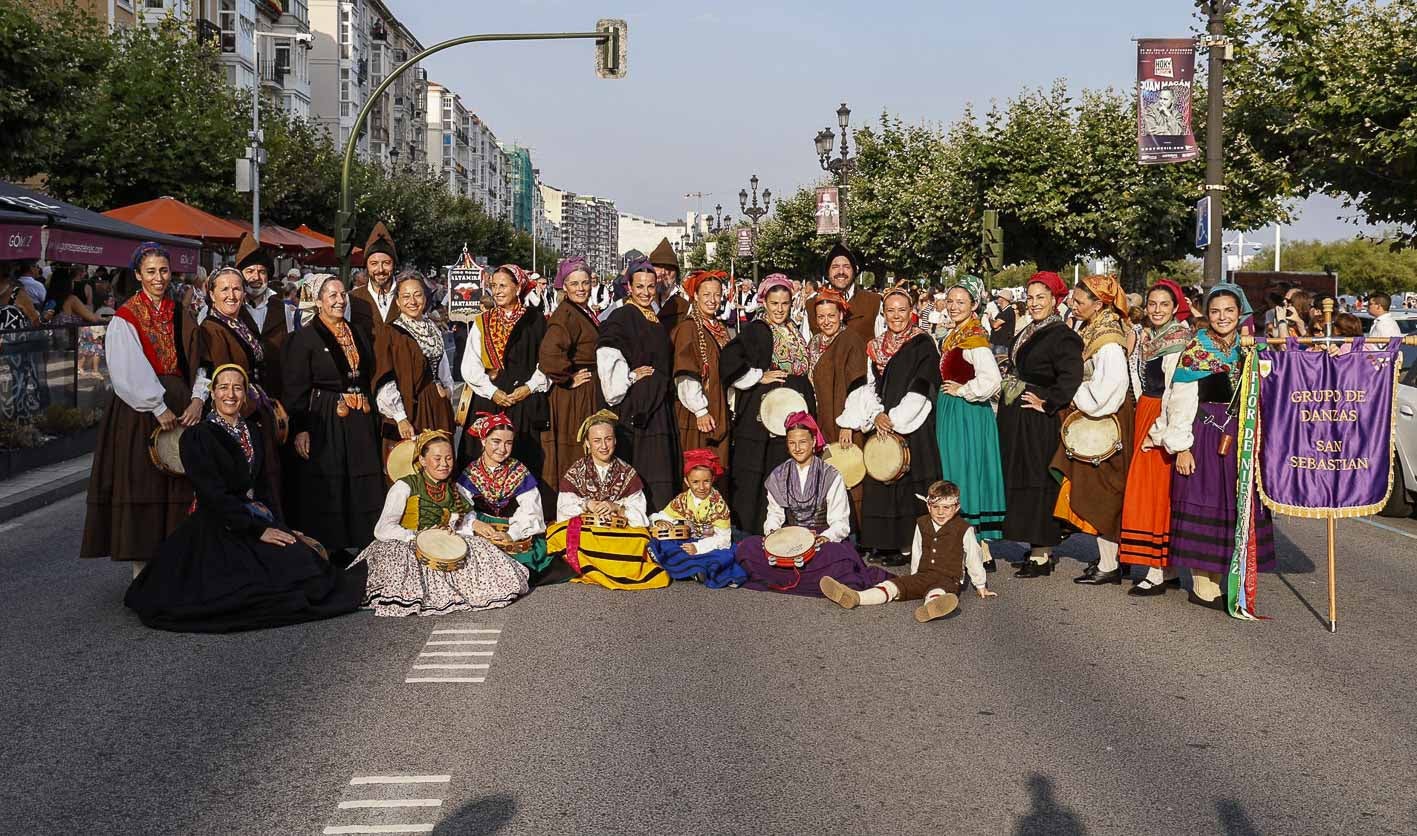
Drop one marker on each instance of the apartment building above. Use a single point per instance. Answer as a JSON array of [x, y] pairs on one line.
[[118, 14], [589, 227], [448, 146], [396, 127], [521, 177]]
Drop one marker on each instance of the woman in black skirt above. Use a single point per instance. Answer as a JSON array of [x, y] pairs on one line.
[[337, 489]]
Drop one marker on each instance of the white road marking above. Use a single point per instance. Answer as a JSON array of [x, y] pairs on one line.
[[450, 667], [457, 653], [1409, 535], [400, 779], [445, 679], [395, 802], [464, 641], [466, 632], [380, 828]]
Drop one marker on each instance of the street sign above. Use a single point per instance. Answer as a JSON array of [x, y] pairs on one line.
[[1203, 223], [611, 52], [745, 241]]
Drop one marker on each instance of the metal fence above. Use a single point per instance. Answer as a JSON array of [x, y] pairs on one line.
[[56, 365]]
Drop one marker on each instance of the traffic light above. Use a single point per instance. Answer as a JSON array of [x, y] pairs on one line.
[[992, 243], [344, 234]]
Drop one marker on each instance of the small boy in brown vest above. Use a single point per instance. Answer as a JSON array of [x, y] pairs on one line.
[[943, 548]]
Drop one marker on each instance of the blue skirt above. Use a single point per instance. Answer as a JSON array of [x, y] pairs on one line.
[[968, 437], [718, 567]]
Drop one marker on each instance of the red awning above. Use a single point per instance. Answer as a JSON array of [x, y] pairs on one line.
[[172, 216]]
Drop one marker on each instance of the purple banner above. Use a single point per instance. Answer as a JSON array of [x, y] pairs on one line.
[[106, 251], [19, 242], [1326, 429]]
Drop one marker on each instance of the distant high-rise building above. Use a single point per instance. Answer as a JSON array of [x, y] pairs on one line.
[[590, 227]]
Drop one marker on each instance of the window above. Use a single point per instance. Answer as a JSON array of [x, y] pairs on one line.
[[154, 4], [226, 20]]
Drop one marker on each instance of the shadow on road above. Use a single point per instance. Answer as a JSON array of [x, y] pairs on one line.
[[1290, 558], [1047, 817], [479, 817], [1234, 819]]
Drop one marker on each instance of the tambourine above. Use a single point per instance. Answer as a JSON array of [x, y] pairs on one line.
[[665, 530], [163, 449], [790, 547], [440, 550]]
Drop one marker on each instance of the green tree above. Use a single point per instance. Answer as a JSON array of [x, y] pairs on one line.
[[1362, 264], [46, 61], [1329, 89]]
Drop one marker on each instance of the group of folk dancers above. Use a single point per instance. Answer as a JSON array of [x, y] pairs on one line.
[[628, 451]]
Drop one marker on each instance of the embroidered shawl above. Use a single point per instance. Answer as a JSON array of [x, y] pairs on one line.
[[1204, 357], [156, 331], [584, 481], [882, 348], [789, 352], [497, 489], [1103, 329], [1172, 338], [967, 335], [497, 326], [703, 516]]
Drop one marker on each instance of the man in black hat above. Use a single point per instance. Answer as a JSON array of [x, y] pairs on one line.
[[371, 307], [673, 305], [273, 318], [865, 318]]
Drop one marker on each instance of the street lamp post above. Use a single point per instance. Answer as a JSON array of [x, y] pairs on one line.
[[610, 36], [754, 213], [257, 136], [840, 167], [1219, 45], [720, 221]]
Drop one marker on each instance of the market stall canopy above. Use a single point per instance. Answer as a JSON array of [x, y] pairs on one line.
[[325, 257], [286, 240], [36, 225], [172, 216]]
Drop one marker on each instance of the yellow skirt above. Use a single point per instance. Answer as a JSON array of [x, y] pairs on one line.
[[615, 558]]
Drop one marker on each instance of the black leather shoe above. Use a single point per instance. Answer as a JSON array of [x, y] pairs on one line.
[[1146, 592], [1218, 604], [893, 559], [1035, 570], [1092, 577], [990, 565]]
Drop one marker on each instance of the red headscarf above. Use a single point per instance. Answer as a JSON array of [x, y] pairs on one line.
[[802, 420], [705, 458], [698, 277], [832, 295], [1183, 307], [488, 421], [1052, 281]]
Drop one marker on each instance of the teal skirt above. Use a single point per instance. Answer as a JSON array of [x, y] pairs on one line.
[[543, 567], [969, 457]]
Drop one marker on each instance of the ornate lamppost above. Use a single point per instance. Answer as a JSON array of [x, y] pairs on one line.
[[754, 212], [840, 167]]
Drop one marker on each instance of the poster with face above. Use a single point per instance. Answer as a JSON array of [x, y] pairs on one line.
[[828, 211], [1165, 73]]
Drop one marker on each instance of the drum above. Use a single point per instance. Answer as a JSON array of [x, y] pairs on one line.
[[464, 404], [1091, 440], [887, 457], [790, 547], [282, 427], [315, 545], [614, 520], [849, 460], [777, 405], [400, 461], [440, 550], [164, 452], [511, 547], [665, 530]]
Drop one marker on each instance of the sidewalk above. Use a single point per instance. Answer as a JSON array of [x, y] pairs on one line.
[[37, 488]]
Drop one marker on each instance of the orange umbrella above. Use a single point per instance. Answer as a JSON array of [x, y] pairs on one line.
[[173, 217], [277, 236]]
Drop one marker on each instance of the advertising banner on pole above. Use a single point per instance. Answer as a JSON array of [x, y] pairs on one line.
[[1166, 69], [1203, 223], [745, 242], [464, 289], [828, 211]]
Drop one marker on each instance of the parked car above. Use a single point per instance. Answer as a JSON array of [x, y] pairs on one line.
[[1404, 482]]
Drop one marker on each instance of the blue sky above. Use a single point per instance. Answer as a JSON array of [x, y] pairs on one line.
[[719, 92]]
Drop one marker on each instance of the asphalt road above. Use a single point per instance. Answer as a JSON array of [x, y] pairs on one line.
[[1053, 709]]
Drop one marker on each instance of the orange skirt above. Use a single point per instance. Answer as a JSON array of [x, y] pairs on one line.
[[1146, 507]]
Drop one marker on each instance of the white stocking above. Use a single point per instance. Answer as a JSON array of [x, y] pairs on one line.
[[1039, 554], [1106, 555], [1206, 585], [881, 593]]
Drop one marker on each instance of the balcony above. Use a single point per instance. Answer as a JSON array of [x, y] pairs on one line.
[[274, 73], [208, 33]]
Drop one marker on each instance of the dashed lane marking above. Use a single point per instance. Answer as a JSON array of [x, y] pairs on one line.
[[400, 779], [453, 661], [1385, 527], [363, 803], [399, 810]]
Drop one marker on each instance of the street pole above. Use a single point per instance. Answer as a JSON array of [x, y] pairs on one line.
[[1276, 246], [256, 139], [1215, 137], [611, 36]]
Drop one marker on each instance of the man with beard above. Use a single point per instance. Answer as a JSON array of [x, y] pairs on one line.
[[272, 318], [372, 307], [865, 319], [672, 303]]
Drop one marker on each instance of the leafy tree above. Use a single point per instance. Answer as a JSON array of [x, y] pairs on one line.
[[1362, 264], [1328, 89], [788, 242], [46, 60]]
